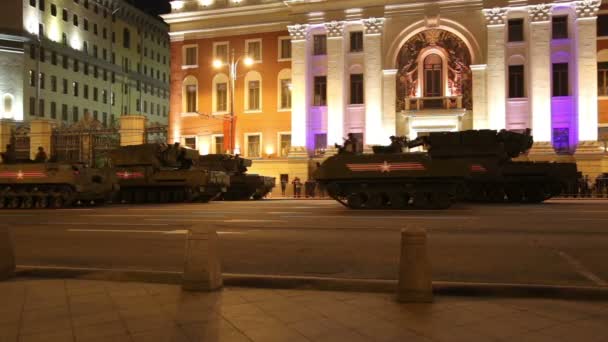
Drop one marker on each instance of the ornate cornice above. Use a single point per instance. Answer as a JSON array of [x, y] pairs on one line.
[[495, 16], [540, 12], [587, 8], [335, 29], [374, 25], [298, 31]]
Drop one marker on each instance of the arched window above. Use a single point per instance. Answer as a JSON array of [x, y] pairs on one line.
[[190, 95], [284, 87], [432, 75], [219, 97], [126, 38], [8, 105], [253, 91]]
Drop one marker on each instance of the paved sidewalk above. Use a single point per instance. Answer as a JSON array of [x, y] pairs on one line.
[[83, 310]]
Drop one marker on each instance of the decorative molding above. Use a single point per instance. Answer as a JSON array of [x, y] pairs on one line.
[[298, 31], [374, 25], [335, 29], [587, 8], [495, 16], [540, 12]]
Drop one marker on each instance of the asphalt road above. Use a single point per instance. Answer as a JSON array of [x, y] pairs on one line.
[[561, 242]]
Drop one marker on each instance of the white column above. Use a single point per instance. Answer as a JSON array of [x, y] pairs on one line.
[[300, 86], [540, 71], [373, 81], [389, 108], [496, 76], [586, 67], [336, 86], [480, 105]]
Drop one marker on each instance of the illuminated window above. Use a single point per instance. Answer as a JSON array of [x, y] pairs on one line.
[[254, 143], [191, 92], [254, 95], [8, 103], [516, 81], [220, 51], [560, 79], [284, 48], [602, 78], [356, 89], [320, 94], [190, 142], [190, 56], [284, 144], [222, 97], [254, 49], [319, 44], [286, 94], [218, 144]]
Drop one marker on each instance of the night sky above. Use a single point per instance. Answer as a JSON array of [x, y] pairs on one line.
[[152, 6]]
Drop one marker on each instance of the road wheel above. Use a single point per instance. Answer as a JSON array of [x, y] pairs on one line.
[[440, 200], [42, 202], [376, 200], [398, 200], [355, 200], [27, 202]]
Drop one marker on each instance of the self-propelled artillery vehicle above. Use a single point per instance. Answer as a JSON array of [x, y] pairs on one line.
[[243, 186], [160, 173], [27, 185]]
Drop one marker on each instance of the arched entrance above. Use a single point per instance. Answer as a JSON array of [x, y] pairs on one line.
[[434, 81]]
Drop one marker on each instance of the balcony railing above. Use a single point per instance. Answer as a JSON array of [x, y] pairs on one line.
[[436, 102]]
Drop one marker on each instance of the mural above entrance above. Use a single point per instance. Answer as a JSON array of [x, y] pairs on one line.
[[434, 64]]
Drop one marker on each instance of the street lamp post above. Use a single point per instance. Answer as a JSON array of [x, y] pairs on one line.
[[232, 65]]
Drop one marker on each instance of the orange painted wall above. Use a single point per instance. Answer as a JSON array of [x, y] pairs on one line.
[[269, 122]]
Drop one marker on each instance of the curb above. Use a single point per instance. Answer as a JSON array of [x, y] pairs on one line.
[[325, 284]]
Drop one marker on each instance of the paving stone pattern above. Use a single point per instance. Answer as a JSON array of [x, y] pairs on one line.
[[77, 310]]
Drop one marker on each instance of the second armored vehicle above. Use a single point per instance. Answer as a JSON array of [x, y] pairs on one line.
[[158, 173], [243, 186]]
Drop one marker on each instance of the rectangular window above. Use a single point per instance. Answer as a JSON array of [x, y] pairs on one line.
[[602, 78], [53, 10], [75, 114], [41, 5], [42, 54], [65, 61], [191, 58], [320, 95], [75, 20], [218, 144], [54, 58], [64, 14], [76, 65], [320, 44], [64, 112], [221, 52], [75, 88], [560, 79], [560, 27], [53, 110], [284, 144], [254, 50], [286, 94], [54, 83], [516, 30], [85, 91], [32, 106], [285, 48], [41, 80], [41, 107], [221, 97], [356, 89], [191, 99], [95, 94], [254, 95], [602, 25], [320, 142], [253, 146], [32, 77], [65, 86], [356, 41], [190, 142], [516, 81]]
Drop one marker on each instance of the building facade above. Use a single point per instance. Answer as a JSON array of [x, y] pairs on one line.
[[61, 59], [324, 68]]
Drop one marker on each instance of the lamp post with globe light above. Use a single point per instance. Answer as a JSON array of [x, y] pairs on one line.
[[232, 64]]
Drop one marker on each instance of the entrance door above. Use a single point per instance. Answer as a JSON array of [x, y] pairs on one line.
[[432, 76]]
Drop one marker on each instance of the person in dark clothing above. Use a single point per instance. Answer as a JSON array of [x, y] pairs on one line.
[[297, 187], [9, 156], [41, 156]]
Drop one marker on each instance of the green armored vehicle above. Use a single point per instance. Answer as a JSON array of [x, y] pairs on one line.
[[160, 173], [495, 177], [243, 186], [29, 185], [391, 180]]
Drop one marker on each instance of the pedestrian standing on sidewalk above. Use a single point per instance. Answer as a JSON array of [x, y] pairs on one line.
[[284, 181], [297, 187]]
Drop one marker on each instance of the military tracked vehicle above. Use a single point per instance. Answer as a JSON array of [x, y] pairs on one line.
[[494, 174], [392, 180], [160, 173], [243, 186], [29, 185]]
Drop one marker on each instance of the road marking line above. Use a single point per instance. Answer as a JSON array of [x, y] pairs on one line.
[[582, 270], [251, 221], [98, 224], [357, 217], [165, 232]]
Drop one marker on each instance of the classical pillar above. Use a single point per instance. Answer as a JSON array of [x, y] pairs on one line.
[[496, 76], [336, 85], [389, 108], [40, 136], [132, 130], [540, 71], [480, 104], [373, 81], [300, 92], [586, 69]]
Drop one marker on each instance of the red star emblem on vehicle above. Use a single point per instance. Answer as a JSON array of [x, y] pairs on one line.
[[20, 174], [386, 167]]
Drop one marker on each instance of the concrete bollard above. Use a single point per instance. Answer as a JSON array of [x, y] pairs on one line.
[[415, 281], [7, 255], [202, 268]]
